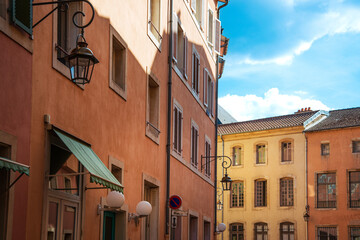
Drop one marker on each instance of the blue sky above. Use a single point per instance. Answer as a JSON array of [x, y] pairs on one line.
[[289, 54]]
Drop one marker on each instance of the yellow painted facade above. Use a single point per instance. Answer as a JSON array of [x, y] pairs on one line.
[[272, 171]]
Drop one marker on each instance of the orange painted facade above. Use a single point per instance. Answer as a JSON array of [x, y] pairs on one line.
[[339, 161], [116, 121]]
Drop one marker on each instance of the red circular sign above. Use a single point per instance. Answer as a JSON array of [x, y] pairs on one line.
[[175, 202]]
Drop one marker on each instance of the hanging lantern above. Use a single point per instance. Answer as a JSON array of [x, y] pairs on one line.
[[81, 62]]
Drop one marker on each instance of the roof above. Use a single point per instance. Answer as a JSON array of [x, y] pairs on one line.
[[224, 116], [339, 119], [291, 120]]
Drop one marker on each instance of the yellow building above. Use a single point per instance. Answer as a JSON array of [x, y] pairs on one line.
[[268, 195]]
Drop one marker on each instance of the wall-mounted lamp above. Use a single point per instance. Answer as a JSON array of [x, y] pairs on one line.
[[307, 213], [81, 60], [226, 163], [143, 209], [221, 228], [114, 201]]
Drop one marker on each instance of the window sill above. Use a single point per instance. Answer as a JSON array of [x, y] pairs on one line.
[[153, 136], [63, 70], [117, 89], [286, 162], [154, 40]]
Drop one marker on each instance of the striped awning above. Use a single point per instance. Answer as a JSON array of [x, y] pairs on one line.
[[99, 173], [15, 166]]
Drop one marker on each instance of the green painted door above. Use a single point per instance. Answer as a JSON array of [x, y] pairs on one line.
[[109, 226]]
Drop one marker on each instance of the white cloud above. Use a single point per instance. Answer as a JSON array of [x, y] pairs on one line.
[[273, 103]]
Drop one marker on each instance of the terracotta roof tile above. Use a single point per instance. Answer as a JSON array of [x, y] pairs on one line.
[[291, 120], [339, 119]]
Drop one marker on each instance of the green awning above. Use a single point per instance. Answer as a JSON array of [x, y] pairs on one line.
[[99, 173], [15, 166]]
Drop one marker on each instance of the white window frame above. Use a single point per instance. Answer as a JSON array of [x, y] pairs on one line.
[[212, 29], [149, 32], [197, 55], [194, 162], [207, 158], [177, 106]]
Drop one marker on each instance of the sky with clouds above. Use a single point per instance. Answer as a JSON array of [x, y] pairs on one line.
[[289, 54]]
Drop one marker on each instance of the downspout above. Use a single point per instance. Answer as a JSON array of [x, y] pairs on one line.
[[216, 119], [169, 111], [306, 184], [222, 196]]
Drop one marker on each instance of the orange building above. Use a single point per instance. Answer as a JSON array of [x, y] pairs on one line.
[[333, 175], [141, 126], [15, 118]]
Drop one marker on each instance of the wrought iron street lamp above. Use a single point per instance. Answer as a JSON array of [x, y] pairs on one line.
[[81, 60], [226, 163], [307, 213]]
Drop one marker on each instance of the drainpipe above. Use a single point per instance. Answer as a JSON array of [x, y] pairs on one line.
[[306, 184], [216, 123], [169, 111], [222, 196]]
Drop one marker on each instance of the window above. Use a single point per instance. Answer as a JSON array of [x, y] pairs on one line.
[[237, 194], [178, 118], [117, 172], [286, 151], [208, 92], [65, 35], [286, 192], [195, 72], [261, 231], [325, 149], [193, 228], [67, 32], [151, 194], [180, 43], [152, 108], [154, 21], [287, 231], [210, 29], [3, 9], [326, 190], [260, 154], [356, 146], [178, 229], [207, 155], [194, 144], [207, 231], [354, 189], [327, 233], [354, 232], [118, 53], [237, 231], [198, 7], [237, 158], [5, 151], [260, 193]]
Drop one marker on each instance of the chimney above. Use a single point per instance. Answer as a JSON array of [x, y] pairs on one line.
[[302, 110]]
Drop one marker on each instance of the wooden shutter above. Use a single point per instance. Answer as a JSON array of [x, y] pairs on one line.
[[217, 36], [205, 87], [22, 14], [185, 56], [198, 72], [180, 131], [175, 33]]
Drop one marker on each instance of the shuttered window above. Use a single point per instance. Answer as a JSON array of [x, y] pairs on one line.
[[22, 14], [194, 144], [217, 36], [178, 117]]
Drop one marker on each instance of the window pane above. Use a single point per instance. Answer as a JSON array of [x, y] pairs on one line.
[[69, 221], [52, 220]]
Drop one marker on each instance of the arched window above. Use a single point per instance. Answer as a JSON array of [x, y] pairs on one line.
[[237, 158], [287, 231], [237, 194], [260, 231], [286, 192], [260, 193], [237, 231]]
